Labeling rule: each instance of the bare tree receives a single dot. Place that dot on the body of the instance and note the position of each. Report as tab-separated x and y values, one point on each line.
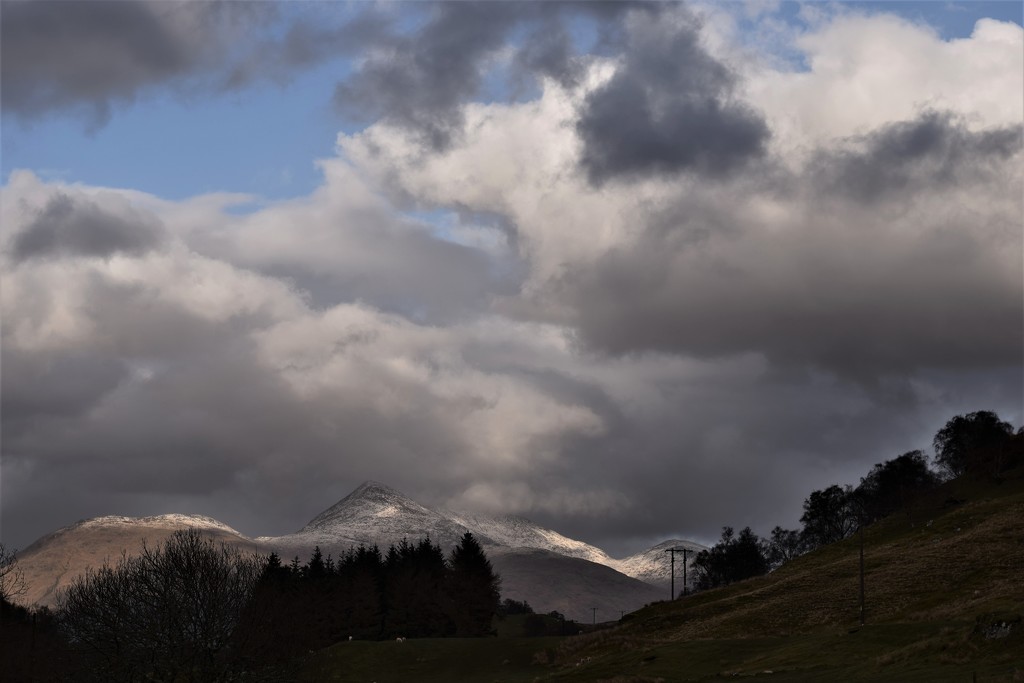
168	614
12	578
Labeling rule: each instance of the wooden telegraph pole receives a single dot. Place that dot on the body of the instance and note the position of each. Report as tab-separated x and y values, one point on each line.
673	551
860	533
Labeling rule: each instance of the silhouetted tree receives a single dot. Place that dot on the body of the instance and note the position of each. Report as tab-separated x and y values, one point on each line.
894	483
12	578
168	614
785	545
976	442
415	595
32	647
316	569
361	573
475	589
733	558
510	606
828	516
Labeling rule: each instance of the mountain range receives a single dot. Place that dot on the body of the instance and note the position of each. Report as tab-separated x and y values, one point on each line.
549	570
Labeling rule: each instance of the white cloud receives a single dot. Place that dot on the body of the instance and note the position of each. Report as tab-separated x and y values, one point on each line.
866	71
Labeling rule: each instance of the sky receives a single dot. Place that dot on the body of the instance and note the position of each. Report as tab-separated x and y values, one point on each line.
632	270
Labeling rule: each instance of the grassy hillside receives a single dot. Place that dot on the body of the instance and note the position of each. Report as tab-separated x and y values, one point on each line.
941	578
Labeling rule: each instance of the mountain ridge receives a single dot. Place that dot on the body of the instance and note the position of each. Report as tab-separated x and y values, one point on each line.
539	565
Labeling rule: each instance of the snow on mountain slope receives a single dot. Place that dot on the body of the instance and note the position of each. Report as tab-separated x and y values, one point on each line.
517	532
378	514
550	570
654	565
57	559
170	521
371	514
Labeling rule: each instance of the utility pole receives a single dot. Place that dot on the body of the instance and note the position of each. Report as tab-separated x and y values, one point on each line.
673	570
861	534
685	550
595	615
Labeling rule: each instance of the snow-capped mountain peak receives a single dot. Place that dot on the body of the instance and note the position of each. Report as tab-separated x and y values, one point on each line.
655	564
168	521
370	505
550	570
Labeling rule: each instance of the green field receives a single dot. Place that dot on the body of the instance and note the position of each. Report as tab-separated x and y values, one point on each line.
940	578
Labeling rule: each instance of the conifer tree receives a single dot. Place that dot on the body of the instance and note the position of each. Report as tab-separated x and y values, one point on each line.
474	588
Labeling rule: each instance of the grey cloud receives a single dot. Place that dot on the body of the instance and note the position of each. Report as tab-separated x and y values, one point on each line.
317	34
168	403
549	51
89	55
53	384
420	80
746	367
407	271
741	448
857	321
374	256
69	226
667	109
847	286
935	150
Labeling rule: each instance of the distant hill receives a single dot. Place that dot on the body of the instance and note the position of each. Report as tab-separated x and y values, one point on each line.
55	560
541	566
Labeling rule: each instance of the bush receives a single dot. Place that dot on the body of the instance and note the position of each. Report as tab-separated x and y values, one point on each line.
167	615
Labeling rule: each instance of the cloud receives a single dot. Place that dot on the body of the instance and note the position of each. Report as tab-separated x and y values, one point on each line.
66	227
479	323
419	79
181	374
764	331
119	49
936	150
865	72
668	108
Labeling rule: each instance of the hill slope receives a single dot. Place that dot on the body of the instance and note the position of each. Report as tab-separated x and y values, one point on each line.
944	599
55	560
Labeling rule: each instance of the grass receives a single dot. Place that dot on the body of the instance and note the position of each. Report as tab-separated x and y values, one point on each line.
937	575
429	660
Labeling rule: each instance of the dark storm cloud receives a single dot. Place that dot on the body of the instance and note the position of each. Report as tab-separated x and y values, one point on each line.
707	280
860	323
318	33
667	109
46	383
91	54
747	447
79	227
935	150
419	80
549	51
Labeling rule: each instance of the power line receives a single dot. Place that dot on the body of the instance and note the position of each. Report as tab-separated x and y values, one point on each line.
673	570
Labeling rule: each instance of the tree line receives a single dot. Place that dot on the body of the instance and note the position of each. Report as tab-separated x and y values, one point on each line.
411	591
975	444
192	610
